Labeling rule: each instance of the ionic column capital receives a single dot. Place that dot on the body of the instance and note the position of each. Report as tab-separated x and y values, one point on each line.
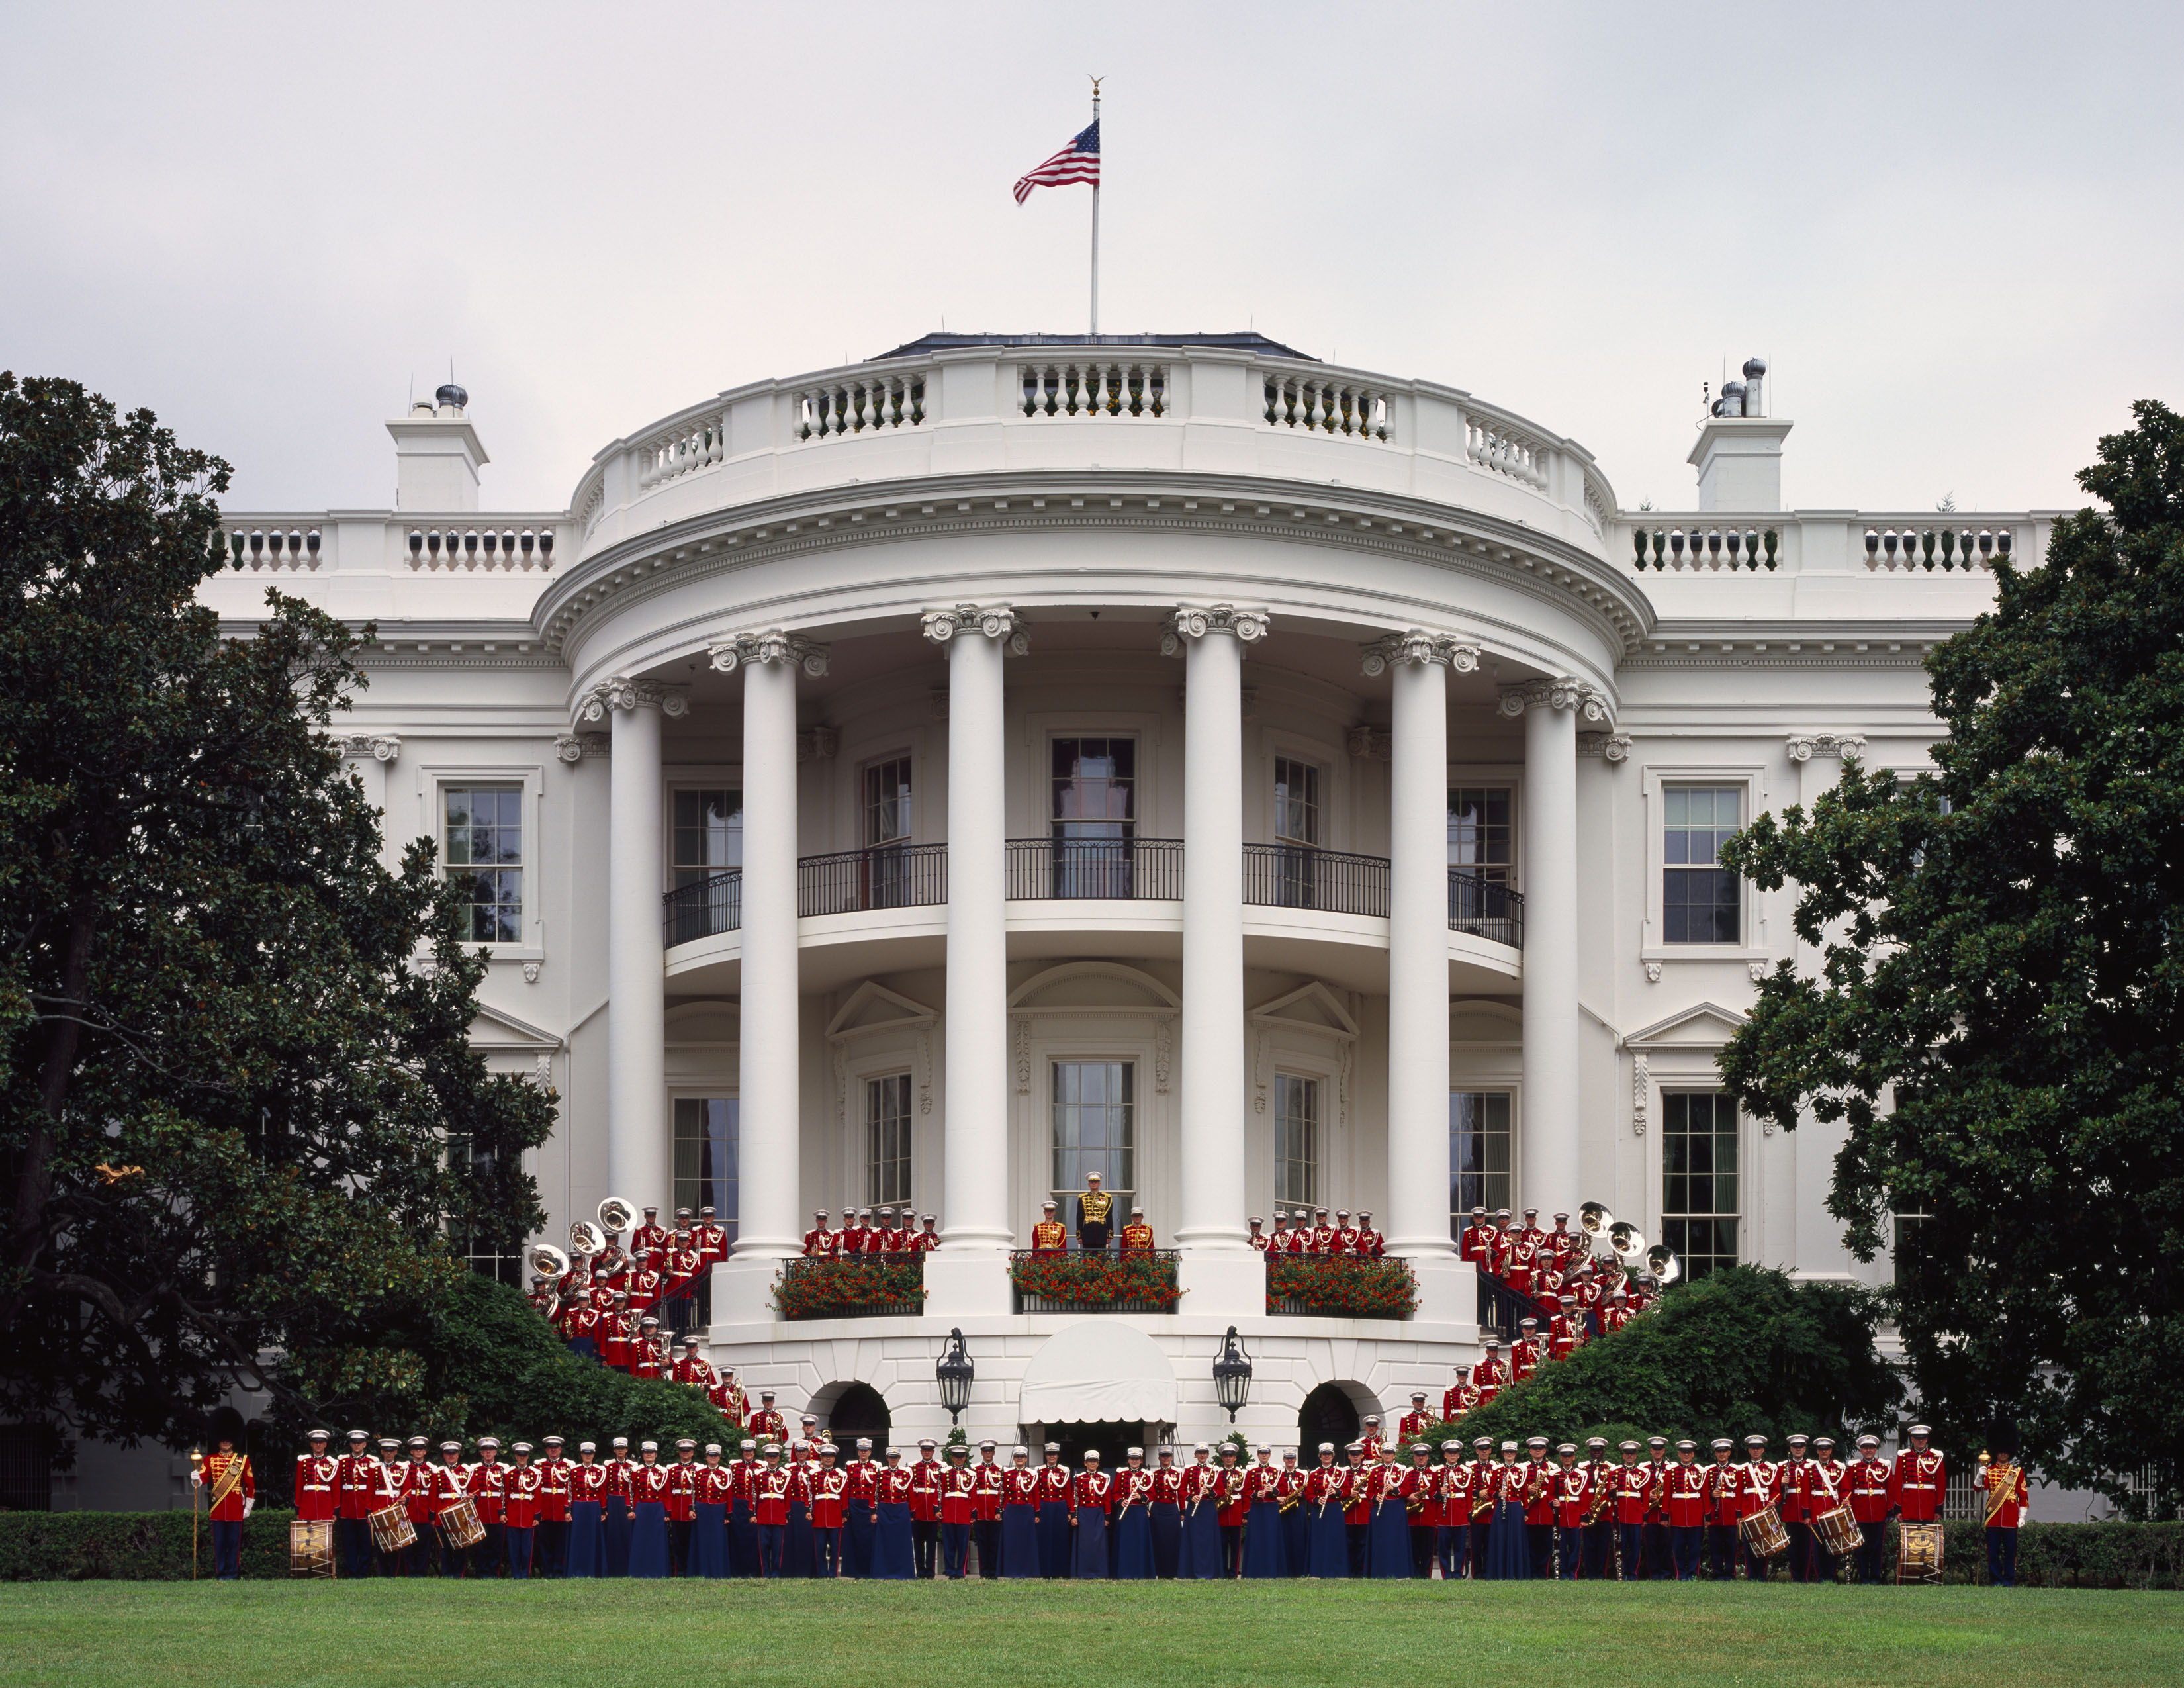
1804	746
1615	747
1590	702
378	747
770	646
996	620
622	692
1418	647
574	747
1194	621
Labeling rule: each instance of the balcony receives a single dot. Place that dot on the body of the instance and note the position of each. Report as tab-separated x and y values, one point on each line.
1099	1281
706	909
1068	870
883	877
1485	908
1300	876
854	1286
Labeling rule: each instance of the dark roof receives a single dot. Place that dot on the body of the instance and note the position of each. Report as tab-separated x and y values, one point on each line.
1246	341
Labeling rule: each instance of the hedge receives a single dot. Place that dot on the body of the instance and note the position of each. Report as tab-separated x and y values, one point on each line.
155	1547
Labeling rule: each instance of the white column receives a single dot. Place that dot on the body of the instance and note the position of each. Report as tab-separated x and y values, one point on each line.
638	1168
968	1275
769	1112
1212	1204
1548	1170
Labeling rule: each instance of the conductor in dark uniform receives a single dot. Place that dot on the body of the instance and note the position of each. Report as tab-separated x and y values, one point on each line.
1095	1216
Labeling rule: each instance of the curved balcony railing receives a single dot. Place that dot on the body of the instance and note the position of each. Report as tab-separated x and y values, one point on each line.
712	905
884	876
1485	908
1300	876
1126	870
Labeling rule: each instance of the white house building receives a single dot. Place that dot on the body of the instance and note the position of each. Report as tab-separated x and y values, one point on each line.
1267	783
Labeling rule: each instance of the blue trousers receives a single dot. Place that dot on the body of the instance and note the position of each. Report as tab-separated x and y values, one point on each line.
2001	1557
1721	1550
355	1537
1453	1549
1569	1548
519	1553
772	1538
1633	1536
1659	1556
227	1551
829	1542
955	1547
1684	1544
1599	1544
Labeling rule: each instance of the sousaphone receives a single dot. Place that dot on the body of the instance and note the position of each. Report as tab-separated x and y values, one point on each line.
548	1261
585	1240
1660	1261
616	1214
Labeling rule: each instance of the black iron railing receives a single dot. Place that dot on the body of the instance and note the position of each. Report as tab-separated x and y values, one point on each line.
1501	1308
852	1286
1298	877
1129	870
1485	908
883	877
712	905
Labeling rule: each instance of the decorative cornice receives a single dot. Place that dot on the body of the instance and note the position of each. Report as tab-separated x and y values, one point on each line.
772	645
622	693
1371	744
1195	622
1804	746
574	747
1615	747
996	620
1565	693
1417	646
817	744
379	747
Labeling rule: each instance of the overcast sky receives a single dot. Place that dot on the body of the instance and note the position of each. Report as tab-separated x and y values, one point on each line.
1953	229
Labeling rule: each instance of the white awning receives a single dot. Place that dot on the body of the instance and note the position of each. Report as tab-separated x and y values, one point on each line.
1099	1371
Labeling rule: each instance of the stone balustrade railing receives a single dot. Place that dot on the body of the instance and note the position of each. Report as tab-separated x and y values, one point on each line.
1825	542
393	542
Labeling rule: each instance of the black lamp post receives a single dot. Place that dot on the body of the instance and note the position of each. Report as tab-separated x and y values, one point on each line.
954	1372
1232	1374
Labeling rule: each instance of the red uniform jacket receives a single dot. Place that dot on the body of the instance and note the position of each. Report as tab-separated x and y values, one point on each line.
829	1497
1827	1486
1570	1494
1019	1488
1328	1485
1231	1484
649	1484
1524	1358
864	1488
958	1495
1411	1426
1756	1486
894	1486
1420	1487
1458	1400
821	1244
1917	1485
229	1509
1134	1487
359	1486
2006	1493
682	1491
411	1484
553	1489
451	1483
925	1491
1724	1488
770	1491
1168	1486
1684	1487
712	1242
1867	1489
1455	1485
520	1496
1632	1485
1538	1491
587	1483
1053	1485
1091	1491
716	1485
489	1484
986	1492
1793	1479
315	1479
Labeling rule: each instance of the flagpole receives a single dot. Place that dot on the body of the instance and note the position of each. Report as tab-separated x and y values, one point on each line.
1095	214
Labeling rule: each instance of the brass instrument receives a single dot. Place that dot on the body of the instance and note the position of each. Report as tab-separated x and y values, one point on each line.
1660	1261
584	1240
616	1214
1629	1243
1595	1221
548	1261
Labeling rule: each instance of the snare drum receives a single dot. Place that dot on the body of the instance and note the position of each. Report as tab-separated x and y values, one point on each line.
1919	1553
1763	1533
391	1531
460	1525
311	1547
1838	1531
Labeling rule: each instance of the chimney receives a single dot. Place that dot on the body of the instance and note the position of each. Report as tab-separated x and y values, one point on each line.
1739	453
437	456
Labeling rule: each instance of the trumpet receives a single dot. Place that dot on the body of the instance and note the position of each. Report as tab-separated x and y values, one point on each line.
548	1261
616	1214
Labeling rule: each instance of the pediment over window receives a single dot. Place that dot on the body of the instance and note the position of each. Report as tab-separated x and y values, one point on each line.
495	1032
873	1008
1093	985
1313	1007
1705	1025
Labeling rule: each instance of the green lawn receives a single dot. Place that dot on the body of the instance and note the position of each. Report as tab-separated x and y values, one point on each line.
962	1635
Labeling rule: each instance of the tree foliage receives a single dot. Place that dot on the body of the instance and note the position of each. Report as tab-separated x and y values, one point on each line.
1997	1011
234	1043
1740	1352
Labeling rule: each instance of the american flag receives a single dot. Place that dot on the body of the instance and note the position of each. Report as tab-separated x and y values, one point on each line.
1078	161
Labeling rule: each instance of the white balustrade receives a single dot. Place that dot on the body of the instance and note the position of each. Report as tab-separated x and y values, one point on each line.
268	547
1093	389
1494	445
864	405
1711	546
689	445
473	548
1907	548
1764	545
1326	406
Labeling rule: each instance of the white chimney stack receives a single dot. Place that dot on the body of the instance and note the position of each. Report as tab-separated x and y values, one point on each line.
1739	453
437	456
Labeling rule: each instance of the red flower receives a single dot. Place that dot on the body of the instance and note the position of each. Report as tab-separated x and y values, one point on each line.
828	1288
1342	1286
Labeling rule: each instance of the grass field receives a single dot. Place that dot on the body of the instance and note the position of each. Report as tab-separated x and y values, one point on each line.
568	1635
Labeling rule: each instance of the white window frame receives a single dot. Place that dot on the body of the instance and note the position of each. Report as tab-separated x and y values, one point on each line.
434	781
1303	1073
1334	787
907	1073
1751	1203
1751	923
1509	774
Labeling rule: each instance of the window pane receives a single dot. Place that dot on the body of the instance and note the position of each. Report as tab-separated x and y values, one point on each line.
1478	1154
483	844
708	834
1095	788
1700	903
1297	1139
706	1132
886	802
1094	1125
887	1134
1699	1193
1296	801
1479	832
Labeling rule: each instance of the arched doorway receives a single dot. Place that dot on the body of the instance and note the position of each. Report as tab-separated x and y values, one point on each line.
1328	1416
859	1410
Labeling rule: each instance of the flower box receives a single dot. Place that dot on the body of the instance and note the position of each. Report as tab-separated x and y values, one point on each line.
1101	1283
871	1286
1339	1286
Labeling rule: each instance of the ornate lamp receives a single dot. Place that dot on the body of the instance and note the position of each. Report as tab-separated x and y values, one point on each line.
1232	1374
955	1372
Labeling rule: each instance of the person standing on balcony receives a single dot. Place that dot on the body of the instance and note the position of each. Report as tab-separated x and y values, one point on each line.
712	1238
819	1242
926	1239
1095	1214
1258	1239
1371	1245
1137	1235
1050	1236
1323	1238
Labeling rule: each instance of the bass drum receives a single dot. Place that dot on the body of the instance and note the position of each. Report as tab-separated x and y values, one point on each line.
391	1530
311	1547
1919	1553
1763	1533
1838	1531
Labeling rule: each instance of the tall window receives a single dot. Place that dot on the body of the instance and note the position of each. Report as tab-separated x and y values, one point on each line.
483	1251
708	834
1094	815
1479	832
1699	1181
1095	1127
1699	899
1297	802
886	802
706	1136
1910	1254
485	857
1296	1140
887	1140
1478	1154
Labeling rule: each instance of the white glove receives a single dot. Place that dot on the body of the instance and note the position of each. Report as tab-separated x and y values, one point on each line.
197	1479
247	1505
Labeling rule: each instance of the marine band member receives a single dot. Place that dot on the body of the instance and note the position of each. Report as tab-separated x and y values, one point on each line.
1095	1213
